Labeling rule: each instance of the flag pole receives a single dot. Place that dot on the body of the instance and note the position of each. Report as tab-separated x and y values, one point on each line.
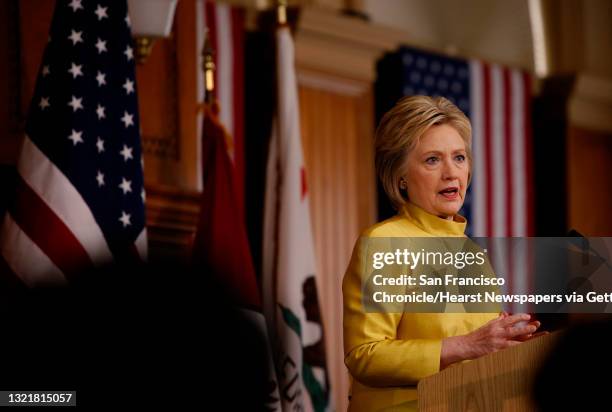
208	66
281	9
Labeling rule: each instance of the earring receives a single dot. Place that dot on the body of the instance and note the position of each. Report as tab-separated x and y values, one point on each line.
403	184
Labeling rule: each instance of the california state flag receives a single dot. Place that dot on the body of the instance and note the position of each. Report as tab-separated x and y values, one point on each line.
290	295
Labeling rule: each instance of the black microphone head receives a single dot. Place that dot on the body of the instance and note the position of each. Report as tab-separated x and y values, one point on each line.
574	233
577	239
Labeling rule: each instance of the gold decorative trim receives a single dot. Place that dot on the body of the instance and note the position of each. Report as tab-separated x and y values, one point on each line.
164	147
144	46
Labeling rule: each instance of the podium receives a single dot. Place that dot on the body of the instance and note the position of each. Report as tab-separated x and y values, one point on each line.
498	382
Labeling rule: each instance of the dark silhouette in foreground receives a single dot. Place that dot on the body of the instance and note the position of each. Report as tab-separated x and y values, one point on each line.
575	375
149	335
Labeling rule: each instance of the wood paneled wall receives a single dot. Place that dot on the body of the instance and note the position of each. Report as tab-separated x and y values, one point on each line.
167	97
337	138
589	181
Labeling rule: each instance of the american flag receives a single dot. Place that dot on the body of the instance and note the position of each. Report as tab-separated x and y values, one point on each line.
80	191
499	202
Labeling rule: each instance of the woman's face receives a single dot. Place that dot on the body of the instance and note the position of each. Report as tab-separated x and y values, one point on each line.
437	173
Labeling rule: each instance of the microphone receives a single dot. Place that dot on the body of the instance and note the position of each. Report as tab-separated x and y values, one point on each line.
577	239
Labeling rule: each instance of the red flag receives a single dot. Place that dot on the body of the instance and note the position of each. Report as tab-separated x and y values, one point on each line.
221	243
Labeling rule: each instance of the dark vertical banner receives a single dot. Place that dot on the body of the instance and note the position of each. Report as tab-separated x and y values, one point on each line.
259	110
550	128
388	90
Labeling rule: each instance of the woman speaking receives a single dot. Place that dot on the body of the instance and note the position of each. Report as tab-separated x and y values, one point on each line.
423	159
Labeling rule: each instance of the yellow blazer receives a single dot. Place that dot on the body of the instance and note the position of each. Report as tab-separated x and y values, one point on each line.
388	353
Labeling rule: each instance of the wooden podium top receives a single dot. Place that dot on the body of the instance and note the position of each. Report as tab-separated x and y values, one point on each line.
500	381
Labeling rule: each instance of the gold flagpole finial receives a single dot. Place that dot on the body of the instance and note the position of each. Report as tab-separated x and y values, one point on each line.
209	69
282	11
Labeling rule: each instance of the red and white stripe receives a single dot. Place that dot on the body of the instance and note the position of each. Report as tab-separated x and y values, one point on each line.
225	25
502	167
502	172
24	257
50	234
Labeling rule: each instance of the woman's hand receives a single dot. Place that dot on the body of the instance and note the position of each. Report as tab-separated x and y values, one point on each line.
530	335
500	333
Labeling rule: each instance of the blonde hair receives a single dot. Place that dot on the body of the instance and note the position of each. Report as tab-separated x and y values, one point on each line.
400	130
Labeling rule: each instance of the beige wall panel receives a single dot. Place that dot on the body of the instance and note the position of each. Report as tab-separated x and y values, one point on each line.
497	31
336	135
